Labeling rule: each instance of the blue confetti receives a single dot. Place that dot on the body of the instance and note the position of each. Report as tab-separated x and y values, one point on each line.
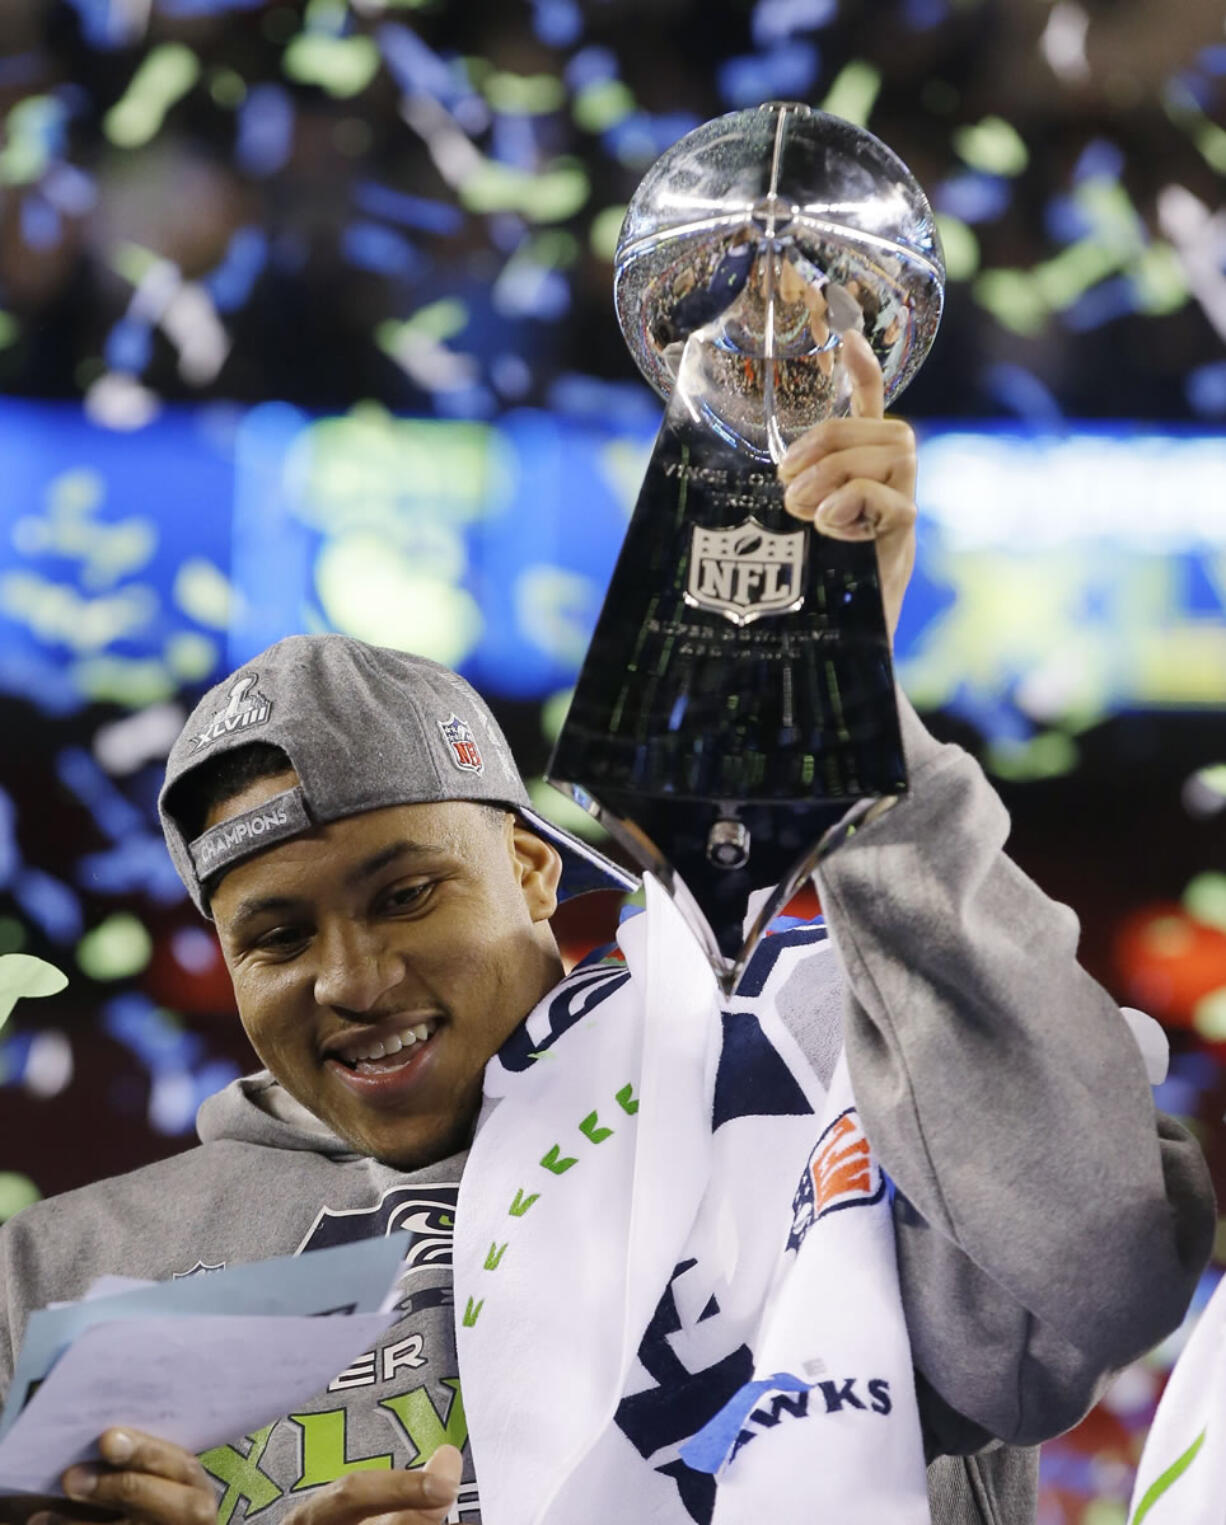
1206	389
50	905
139	865
558	23
129	346
70	190
923	15
230	284
1065	220
409	211
591	66
40	223
265	130
150	1033
617	404
641	138
1213	59
79	773
528	290
514	141
371	246
206	7
417	68
1100	159
10	857
20	69
1101	304
779	20
46	684
102	25
786	72
1024	394
973	196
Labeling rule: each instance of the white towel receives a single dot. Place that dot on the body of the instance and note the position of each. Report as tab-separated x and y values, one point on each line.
634	1235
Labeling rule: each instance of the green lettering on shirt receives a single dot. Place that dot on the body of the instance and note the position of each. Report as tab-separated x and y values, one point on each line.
244	1482
324	1450
420	1421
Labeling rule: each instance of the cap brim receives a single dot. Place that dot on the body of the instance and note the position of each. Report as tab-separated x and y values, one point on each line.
584	868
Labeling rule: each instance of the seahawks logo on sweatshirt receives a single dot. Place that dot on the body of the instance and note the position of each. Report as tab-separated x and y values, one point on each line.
427	1212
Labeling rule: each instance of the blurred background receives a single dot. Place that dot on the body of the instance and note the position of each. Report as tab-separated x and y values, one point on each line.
306	324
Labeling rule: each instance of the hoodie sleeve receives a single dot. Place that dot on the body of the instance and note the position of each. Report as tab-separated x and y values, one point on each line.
1050	1225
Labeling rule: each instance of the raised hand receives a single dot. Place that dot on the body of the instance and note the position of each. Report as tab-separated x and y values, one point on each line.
854	478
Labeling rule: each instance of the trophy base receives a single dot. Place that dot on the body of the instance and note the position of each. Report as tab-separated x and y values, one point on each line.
725	852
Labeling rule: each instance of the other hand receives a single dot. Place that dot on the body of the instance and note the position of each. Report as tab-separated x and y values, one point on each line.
400	1498
854	478
142	1479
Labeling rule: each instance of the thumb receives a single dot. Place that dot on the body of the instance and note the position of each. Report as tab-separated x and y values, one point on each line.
447	1463
864	374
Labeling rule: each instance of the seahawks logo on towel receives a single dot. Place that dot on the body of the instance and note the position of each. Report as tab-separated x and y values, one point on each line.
841	1173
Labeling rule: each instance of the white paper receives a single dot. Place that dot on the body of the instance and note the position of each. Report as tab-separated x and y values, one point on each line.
194	1379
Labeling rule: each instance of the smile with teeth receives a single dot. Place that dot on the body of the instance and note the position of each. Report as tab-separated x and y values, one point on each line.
390	1045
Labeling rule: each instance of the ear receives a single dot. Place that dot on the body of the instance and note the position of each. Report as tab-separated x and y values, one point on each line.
539	866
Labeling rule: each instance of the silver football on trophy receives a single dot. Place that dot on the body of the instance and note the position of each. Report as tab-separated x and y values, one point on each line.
762	237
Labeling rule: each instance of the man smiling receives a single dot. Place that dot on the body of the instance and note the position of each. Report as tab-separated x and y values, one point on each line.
619	1189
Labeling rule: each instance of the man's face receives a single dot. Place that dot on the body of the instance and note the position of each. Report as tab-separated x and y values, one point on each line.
363	931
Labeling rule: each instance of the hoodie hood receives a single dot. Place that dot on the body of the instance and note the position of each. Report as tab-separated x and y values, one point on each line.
257	1109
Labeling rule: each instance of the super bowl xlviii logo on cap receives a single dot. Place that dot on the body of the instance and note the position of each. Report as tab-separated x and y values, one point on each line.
462	744
245	707
747	571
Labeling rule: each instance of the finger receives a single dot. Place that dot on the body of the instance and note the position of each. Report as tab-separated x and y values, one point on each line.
834	434
891	464
362	1494
144	1476
864	374
447	1463
864	510
141	1496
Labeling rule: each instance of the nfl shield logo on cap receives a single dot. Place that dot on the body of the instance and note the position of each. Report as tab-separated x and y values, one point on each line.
462	743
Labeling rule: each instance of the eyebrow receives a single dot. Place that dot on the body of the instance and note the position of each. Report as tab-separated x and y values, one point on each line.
248	910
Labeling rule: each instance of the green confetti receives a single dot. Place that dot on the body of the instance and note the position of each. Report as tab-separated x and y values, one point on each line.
602	105
523	94
24	977
133	682
562	811
1159	280
1205	900
552	195
116	949
606	230
10	330
960	245
993	146
16	1192
1014	300
439	321
369	590
56	612
1209	1016
853	94
165	75
553	714
342	66
204	593
26	155
228	88
1049	755
191	657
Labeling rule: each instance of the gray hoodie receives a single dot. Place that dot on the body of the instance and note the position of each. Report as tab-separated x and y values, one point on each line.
1050	1227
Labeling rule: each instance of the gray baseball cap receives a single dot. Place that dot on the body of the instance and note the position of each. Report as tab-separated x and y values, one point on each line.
364	727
